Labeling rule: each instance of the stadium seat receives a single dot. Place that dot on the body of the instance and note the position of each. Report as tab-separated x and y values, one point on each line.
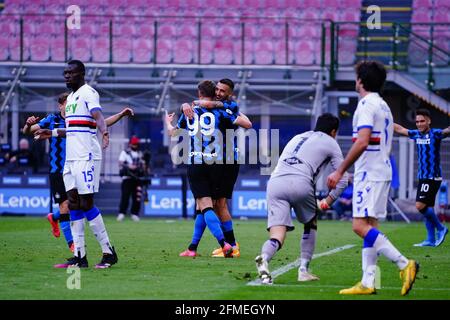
421	15
229	31
331	4
188	30
122	47
441	16
4	44
304	53
207	51
264	52
183	51
350	16
330	14
142	50
347	4
207	31
146	29
57	49
80	48
166	31
425	4
251	31
39	49
442	4
310	14
347	50
224	52
164	51
100	52
280	52
307	4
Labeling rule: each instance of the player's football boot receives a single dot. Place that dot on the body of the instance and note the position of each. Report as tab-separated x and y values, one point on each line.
218	253
227	250
73	262
441	236
408	276
306	276
425	243
188	253
263	270
54	224
358	289
108	260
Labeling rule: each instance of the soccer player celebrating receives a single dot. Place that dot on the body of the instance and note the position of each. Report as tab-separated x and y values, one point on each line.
82	167
57	156
372	137
292	185
204	172
224	93
428	141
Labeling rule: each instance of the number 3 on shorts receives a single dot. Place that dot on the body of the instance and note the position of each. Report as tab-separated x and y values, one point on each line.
360	198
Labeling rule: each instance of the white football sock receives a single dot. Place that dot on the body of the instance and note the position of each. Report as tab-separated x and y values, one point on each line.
386	248
77	228
369	265
99	230
307	246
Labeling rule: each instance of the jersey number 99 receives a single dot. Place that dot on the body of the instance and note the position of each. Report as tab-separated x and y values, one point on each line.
206	127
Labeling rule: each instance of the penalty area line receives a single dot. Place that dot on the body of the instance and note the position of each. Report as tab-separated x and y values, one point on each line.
278	272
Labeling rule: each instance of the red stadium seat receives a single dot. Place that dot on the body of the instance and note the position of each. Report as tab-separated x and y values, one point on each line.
100	50
80	48
331	4
350	16
347	4
183	51
208	31
57	49
164	51
224	52
40	49
310	4
304	53
4	44
264	52
142	50
442	4
441	16
188	30
146	30
422	4
166	31
207	51
422	15
122	48
280	52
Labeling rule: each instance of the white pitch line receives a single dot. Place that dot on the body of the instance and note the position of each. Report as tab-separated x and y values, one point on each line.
278	272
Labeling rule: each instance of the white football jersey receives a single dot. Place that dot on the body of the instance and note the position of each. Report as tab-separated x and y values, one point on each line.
374	164
81	128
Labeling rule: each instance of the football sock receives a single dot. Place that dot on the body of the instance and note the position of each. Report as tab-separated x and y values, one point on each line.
213	223
64	222
56	215
227	227
429	225
269	248
199	228
431	215
369	258
98	228
77	228
307	246
383	246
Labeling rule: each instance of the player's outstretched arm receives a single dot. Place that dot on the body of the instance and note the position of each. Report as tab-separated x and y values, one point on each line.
243	121
42	134
101	126
355	152
446	132
31	125
400	130
126	112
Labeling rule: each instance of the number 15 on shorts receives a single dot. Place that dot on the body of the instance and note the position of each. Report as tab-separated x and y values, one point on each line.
88	175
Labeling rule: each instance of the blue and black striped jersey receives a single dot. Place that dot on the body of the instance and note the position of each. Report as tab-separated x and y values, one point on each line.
428	150
57	152
203	130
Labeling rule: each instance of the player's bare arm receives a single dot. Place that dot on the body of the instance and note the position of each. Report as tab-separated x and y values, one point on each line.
101	126
42	134
355	152
170	128
188	110
126	112
209	104
243	122
400	130
31	125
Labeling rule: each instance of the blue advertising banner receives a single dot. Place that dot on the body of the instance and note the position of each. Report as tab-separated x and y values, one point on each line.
167	203
249	204
24	200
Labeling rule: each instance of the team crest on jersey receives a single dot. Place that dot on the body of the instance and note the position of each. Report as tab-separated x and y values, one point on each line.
229	111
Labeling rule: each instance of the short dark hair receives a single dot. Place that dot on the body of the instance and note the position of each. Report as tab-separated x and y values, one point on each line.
62	97
372	75
79	64
207	88
228	82
326	123
423	112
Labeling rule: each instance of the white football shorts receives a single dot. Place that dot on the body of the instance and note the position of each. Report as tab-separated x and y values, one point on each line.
83	175
370	199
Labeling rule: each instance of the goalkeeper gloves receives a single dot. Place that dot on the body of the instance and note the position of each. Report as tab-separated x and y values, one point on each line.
323	205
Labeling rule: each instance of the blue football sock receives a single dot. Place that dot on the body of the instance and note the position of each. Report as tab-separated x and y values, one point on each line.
65	227
56	215
434	218
227	228
370	238
430	230
213	223
199	228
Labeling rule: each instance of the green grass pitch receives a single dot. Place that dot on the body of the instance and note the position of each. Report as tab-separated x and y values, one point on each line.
149	266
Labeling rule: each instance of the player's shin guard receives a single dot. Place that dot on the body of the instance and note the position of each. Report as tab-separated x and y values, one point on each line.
199	228
213	223
98	228
307	246
77	228
383	246
269	248
64	222
227	227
